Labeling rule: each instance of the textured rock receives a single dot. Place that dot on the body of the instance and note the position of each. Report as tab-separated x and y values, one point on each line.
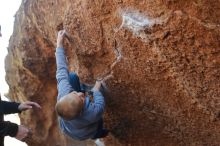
164	56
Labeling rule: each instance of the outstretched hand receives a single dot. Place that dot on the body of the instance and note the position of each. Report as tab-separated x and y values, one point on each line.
101	82
28	105
97	85
60	38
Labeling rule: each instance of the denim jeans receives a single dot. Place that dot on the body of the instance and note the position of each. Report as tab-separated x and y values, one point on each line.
101	132
74	81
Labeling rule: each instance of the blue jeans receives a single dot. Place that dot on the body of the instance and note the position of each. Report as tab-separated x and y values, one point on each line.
101	132
74	82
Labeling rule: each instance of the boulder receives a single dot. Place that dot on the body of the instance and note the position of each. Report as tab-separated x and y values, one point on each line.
162	58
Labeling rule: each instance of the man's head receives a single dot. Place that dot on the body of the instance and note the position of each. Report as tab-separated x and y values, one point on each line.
70	106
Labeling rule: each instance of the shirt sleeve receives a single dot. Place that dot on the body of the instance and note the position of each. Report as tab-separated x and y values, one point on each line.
9	107
62	74
8	129
98	106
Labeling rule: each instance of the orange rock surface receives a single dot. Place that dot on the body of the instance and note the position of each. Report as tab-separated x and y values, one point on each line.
164	56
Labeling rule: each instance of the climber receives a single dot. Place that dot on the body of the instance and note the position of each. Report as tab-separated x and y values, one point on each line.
7	128
80	118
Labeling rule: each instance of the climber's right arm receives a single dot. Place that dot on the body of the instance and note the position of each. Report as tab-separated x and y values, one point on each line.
62	73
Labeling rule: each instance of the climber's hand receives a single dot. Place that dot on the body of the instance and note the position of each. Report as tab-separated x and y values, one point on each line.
98	85
60	38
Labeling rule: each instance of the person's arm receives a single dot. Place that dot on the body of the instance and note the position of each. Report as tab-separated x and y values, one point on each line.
62	73
8	129
14	107
19	132
99	103
9	107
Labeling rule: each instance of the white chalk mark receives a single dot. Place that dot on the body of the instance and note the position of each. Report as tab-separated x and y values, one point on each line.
137	22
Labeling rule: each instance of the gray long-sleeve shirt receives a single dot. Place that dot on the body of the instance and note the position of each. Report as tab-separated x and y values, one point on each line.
85	125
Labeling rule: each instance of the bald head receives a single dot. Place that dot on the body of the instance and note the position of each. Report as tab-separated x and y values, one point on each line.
70	106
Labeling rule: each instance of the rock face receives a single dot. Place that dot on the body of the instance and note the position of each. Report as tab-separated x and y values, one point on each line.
164	56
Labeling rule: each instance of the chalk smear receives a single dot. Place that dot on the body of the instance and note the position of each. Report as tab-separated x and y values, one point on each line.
137	22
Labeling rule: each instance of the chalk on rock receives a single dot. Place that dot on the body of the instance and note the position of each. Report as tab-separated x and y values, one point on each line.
135	21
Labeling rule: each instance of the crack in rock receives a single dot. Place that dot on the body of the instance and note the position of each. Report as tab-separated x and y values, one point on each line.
110	73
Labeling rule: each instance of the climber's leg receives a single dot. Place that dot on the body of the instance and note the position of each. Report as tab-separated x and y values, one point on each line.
101	132
74	81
